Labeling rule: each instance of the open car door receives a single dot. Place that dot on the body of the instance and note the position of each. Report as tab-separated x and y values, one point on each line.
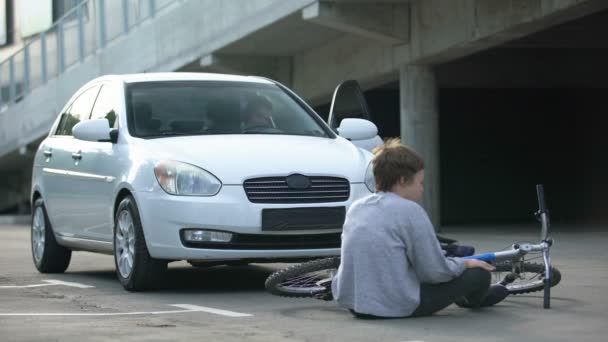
349	116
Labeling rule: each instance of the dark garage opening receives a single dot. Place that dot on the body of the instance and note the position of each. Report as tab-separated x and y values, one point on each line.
530	111
496	144
533	110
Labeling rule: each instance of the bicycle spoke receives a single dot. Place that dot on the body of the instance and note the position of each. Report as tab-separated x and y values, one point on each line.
308	281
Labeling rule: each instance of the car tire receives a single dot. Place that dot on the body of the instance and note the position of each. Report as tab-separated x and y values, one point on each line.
135	268
48	255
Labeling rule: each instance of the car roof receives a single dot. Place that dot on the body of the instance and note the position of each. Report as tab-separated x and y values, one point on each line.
181	76
171	76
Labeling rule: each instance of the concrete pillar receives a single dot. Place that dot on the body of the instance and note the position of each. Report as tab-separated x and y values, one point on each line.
420	128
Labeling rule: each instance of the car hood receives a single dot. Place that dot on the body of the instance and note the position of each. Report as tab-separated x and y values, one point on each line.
235	158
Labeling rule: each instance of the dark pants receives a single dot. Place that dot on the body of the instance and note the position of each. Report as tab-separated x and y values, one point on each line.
472	284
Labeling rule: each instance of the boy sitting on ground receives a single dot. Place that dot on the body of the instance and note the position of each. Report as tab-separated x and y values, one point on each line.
391	262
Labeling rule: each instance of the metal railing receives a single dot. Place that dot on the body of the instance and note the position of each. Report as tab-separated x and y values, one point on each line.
82	32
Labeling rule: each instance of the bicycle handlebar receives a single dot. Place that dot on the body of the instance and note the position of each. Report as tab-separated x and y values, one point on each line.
540	193
543	213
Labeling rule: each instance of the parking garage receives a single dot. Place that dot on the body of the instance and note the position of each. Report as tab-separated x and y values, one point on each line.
497	96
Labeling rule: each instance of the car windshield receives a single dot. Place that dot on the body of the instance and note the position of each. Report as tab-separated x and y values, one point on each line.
172	108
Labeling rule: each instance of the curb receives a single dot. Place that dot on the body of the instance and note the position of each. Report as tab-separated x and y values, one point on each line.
14	219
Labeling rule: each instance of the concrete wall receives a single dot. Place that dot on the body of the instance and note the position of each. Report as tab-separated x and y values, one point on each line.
165	43
440	31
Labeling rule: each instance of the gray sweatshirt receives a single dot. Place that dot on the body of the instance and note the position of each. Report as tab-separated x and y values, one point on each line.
388	249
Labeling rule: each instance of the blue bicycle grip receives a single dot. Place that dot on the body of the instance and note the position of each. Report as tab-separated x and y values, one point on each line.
484	257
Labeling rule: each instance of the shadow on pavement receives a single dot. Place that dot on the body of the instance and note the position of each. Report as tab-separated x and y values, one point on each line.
213	279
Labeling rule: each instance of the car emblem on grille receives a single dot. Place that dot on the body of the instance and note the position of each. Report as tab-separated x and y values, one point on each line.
298	182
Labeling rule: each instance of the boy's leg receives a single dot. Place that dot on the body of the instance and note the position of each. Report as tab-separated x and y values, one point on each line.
473	284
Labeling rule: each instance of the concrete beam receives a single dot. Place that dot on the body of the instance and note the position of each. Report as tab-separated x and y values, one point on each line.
277	68
317	72
446	30
215	63
388	23
442	31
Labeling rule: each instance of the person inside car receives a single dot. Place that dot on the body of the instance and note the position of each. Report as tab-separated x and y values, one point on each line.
258	113
391	261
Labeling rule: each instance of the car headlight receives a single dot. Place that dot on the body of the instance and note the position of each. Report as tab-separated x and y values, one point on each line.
370	181
183	179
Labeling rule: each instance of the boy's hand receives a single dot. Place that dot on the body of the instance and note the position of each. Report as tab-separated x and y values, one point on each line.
474	263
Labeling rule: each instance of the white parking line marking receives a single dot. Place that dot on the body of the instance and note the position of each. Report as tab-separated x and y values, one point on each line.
50	282
212	310
67	283
23	286
189	308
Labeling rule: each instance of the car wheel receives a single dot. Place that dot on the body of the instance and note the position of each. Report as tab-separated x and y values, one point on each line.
135	268
48	255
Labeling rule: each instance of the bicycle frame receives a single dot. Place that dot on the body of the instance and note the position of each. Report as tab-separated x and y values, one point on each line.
518	251
514	254
312	278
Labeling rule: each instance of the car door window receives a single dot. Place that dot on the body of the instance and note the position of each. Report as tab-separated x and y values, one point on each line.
61	124
79	111
348	102
105	106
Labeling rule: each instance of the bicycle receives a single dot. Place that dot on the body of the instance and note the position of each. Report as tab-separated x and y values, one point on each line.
313	278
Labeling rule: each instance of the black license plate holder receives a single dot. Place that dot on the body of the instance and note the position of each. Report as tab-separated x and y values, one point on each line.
313	218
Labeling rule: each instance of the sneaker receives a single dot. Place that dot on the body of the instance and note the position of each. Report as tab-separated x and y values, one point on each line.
496	294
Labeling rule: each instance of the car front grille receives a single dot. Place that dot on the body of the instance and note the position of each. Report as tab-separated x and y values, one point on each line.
275	190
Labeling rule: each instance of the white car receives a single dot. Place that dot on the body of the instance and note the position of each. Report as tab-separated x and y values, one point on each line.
153	168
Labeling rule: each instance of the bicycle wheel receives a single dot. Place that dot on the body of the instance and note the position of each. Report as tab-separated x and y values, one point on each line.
307	279
531	277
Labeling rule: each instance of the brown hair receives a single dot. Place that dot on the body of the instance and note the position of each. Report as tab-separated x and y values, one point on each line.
392	160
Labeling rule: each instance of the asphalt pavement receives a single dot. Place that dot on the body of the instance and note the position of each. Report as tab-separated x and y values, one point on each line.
229	303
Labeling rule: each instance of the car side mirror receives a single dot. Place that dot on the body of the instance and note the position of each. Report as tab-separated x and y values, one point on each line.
94	130
362	133
357	129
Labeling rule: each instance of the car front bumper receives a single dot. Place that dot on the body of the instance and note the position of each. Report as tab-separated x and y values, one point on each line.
164	216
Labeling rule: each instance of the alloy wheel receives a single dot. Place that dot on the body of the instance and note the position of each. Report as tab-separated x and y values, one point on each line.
125	243
38	234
